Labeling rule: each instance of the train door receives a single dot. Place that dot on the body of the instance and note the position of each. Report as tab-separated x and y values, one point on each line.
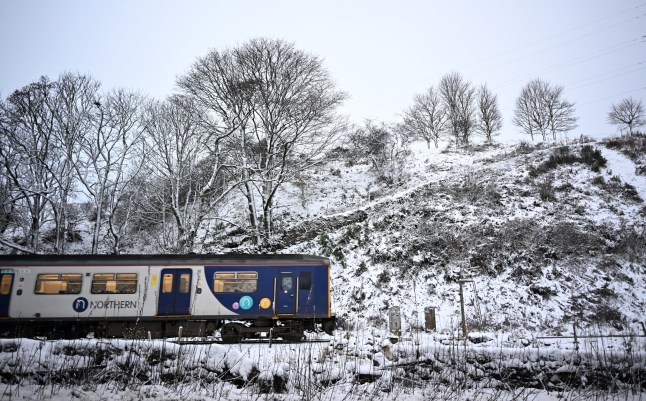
286	292
175	292
6	282
305	294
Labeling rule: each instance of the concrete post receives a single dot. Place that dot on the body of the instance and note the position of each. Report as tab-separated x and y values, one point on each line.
429	318
395	320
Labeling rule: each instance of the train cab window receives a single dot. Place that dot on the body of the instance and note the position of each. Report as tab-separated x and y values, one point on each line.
235	282
184	283
305	281
114	283
5	284
69	283
286	281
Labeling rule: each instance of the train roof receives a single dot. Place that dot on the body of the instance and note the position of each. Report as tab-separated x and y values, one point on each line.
164	260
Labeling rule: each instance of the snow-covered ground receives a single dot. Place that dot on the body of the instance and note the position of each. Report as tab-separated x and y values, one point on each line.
623	167
361	365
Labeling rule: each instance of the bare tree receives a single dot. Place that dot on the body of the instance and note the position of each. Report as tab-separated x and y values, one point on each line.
489	116
560	112
71	106
467	114
385	149
530	113
218	83
126	148
426	118
28	155
280	105
540	108
187	169
111	158
7	201
524	113
629	113
43	126
459	100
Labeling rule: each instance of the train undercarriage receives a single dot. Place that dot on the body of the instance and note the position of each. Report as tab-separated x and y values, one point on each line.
230	331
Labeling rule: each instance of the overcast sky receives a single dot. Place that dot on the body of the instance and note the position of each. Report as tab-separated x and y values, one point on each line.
381	53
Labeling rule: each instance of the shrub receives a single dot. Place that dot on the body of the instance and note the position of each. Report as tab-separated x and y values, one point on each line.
385	150
563	156
593	158
566	238
362	268
599	181
632	146
546	190
543	291
474	188
384	277
525	148
565	187
559	156
604	313
631	243
615	186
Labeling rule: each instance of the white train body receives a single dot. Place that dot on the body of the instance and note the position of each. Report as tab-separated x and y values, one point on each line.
105	304
155	293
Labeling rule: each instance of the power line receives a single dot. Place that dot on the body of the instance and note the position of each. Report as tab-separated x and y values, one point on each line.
601	77
574	61
607	78
559	34
606	73
587	57
557	45
615	95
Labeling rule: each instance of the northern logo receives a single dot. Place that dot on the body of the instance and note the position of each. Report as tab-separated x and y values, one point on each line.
80	304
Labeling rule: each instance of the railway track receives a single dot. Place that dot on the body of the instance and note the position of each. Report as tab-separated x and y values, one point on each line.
249	341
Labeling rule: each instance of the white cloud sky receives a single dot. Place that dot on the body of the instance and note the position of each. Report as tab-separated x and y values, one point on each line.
381	52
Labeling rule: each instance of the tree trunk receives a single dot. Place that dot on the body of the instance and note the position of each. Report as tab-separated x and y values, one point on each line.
253	217
97	223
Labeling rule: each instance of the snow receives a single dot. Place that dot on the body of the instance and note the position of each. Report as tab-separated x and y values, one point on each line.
344	368
513	314
432	175
622	166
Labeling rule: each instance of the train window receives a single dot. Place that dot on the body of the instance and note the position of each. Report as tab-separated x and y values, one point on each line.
69	283
114	283
305	281
167	283
5	284
184	283
286	281
235	282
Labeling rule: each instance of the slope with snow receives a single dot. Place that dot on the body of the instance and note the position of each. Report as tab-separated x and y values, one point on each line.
549	248
546	250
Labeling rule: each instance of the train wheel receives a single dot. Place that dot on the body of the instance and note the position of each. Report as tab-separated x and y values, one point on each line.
230	335
294	333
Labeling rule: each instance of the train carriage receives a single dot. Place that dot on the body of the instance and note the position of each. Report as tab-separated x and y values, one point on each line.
153	295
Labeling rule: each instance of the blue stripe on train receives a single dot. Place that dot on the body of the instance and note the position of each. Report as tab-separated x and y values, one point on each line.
312	299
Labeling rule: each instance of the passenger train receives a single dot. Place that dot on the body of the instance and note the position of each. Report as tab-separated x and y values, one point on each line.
244	296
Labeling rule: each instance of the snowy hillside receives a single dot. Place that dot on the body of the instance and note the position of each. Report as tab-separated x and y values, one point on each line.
550	235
